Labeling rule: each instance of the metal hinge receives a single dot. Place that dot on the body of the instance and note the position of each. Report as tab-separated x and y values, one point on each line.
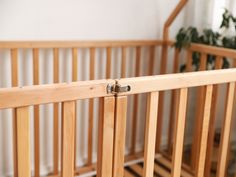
117	88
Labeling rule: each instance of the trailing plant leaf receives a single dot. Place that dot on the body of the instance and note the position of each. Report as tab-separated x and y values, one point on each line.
189	35
185	37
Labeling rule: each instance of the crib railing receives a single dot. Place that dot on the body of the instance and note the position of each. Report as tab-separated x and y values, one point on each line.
92	46
182	82
185	56
152	46
113	119
22	98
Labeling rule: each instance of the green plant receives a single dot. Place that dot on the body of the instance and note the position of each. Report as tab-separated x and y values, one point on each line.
189	35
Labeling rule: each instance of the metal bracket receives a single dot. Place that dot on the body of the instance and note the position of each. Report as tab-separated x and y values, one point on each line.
117	88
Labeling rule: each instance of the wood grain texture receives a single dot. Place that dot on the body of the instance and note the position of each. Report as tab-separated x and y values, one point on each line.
74	79
204	132
179	134
211	134
91	108
150	134
176	81
53	93
108	63
55	114
78	44
14	83
36	116
68	139
119	137
74	64
216	51
135	103
23	142
123	62
225	135
199	116
174	103
33	95
151	60
106	138
163	68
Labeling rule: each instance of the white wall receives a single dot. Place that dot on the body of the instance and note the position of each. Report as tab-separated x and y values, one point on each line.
83	19
74	20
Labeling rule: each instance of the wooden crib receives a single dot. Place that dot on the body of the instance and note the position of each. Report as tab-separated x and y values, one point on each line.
114	96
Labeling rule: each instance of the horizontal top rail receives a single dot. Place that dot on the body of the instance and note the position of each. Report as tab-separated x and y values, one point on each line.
212	50
218	51
52	93
43	94
177	81
78	44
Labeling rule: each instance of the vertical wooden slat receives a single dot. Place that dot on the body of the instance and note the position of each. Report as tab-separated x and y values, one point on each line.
91	108
92	64
225	135
74	64
136	103
119	136
163	68
174	103
74	79
150	134
199	115
123	60
105	138
151	60
55	113
211	133
164	55
204	132
14	82
68	138
23	141
36	116
14	67
108	66
179	134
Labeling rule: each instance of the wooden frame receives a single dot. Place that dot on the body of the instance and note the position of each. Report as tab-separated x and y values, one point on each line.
78	90
219	52
112	158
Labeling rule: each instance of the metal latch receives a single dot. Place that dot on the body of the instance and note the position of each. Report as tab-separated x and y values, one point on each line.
117	88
